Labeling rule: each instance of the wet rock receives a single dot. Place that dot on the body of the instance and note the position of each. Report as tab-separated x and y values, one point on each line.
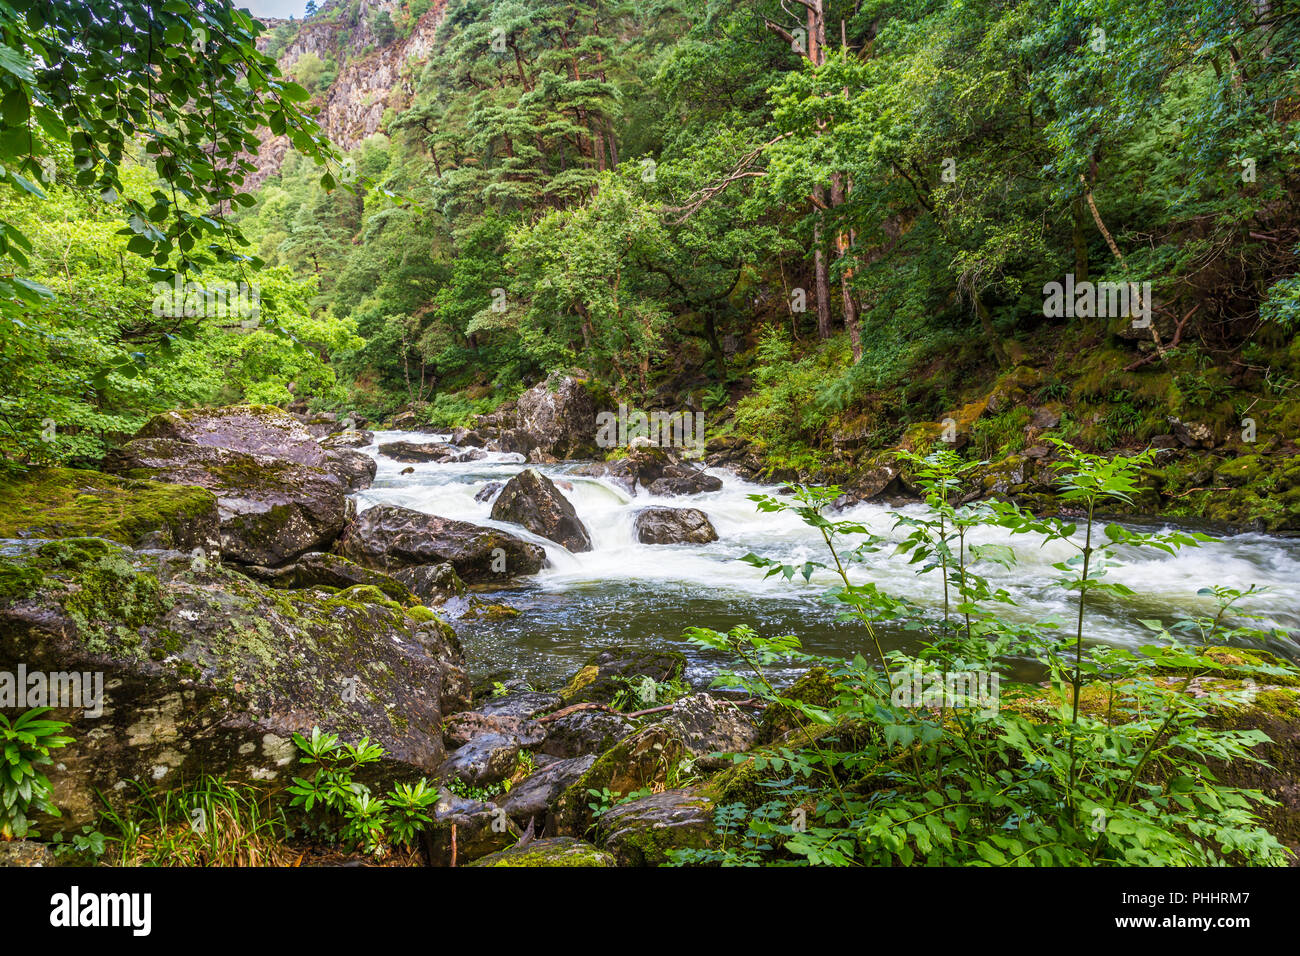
359	438
533	797
208	671
532	500
485	759
388	537
602	676
618	473
26	853
641	832
526	705
432	583
555	851
674	526
489	491
712	725
270	509
585	732
354	469
468	438
408	451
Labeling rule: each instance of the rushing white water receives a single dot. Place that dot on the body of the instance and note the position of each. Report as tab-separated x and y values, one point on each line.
621	588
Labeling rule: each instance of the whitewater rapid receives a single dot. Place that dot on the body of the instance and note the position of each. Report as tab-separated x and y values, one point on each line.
710	579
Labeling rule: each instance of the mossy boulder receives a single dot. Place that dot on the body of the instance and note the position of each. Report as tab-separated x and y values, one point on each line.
271	509
389	537
322	569
642	831
606	673
70	502
555	851
205	670
815	686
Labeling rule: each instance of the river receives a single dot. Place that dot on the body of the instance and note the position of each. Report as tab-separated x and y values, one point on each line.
625	592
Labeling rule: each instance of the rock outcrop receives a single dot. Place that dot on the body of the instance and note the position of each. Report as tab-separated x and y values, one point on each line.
208	671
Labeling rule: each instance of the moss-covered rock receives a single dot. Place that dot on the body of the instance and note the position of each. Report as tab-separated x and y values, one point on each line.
602	677
556	851
208	671
70	502
641	832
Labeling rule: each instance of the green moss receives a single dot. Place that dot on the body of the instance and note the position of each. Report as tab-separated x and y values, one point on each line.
64	502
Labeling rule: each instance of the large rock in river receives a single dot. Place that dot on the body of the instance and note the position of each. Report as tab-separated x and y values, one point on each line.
674	526
532	500
559	418
389	537
208	671
271	509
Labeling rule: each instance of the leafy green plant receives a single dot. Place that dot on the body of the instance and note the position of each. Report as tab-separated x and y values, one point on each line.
28	740
1108	764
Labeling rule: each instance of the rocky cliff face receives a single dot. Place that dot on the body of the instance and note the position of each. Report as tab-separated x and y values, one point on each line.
375	72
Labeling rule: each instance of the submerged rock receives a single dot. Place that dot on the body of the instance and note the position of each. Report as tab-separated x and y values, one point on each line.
389	537
674	526
208	671
532	500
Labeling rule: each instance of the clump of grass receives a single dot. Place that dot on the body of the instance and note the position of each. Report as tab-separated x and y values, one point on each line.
211	822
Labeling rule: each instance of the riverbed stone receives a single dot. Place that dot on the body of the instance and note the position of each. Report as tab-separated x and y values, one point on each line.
526	705
713	728
485	759
390	537
465	726
480	829
532	500
585	732
322	569
407	451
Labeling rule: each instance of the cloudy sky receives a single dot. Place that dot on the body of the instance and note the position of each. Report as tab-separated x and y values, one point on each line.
274	8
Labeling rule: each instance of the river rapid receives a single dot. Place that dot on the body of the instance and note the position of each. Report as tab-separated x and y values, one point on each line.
625	592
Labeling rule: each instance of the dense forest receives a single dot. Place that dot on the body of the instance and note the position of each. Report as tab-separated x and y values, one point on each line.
1022	266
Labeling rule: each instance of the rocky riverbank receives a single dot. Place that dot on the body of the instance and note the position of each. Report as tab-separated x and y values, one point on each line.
219	578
